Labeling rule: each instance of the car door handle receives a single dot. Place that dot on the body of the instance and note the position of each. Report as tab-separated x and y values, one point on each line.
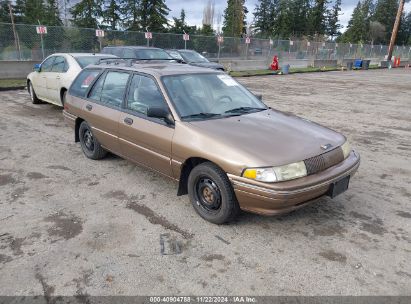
128	121
89	107
57	77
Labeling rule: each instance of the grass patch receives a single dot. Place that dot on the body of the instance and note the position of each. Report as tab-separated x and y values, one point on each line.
253	73
12	83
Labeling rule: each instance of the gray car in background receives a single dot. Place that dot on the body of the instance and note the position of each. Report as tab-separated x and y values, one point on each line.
193	58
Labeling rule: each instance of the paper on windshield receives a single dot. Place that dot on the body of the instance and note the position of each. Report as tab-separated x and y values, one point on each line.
228	81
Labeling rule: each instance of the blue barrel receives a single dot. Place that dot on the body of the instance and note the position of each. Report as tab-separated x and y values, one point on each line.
285	69
358	64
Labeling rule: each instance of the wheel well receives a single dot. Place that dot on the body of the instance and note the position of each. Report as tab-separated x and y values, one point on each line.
186	168
61	94
77	128
28	82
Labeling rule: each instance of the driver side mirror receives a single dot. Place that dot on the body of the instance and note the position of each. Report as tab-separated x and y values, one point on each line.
161	113
37	67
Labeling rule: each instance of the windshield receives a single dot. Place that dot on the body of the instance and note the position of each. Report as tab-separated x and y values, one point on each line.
84	61
206	96
193	56
152	54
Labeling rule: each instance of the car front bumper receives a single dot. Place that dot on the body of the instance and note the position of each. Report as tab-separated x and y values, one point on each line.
283	197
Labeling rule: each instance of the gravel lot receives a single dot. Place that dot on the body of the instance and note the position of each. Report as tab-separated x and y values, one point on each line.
72	226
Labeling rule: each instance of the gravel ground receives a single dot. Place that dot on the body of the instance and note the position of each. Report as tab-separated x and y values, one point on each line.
73	226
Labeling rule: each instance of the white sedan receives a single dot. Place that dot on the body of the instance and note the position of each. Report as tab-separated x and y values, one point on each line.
52	78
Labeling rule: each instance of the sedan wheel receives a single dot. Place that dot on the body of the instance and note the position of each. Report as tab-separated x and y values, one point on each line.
212	194
33	95
89	144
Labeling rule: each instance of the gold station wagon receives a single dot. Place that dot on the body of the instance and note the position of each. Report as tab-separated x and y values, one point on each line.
200	127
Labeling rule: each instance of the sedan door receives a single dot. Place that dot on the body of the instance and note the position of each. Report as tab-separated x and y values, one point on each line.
143	139
103	106
40	78
54	79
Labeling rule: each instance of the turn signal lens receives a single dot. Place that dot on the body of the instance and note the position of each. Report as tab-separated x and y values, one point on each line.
277	174
346	149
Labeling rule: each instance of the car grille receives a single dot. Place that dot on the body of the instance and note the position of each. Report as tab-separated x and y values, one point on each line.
321	162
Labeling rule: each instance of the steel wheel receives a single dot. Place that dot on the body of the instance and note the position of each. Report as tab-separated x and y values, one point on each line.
88	140
208	195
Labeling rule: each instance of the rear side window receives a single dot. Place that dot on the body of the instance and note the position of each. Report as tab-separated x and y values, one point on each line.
47	64
59	65
111	89
83	82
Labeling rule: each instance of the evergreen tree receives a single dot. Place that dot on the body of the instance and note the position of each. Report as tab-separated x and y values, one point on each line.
86	13
264	18
299	13
233	25
385	13
317	18
154	15
4	11
111	14
180	25
333	27
358	26
34	11
282	27
52	13
130	10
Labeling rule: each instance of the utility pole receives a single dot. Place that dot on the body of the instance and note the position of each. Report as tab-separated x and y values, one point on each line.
395	29
16	38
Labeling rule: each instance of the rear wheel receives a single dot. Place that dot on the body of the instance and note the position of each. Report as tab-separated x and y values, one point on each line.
89	144
212	194
33	95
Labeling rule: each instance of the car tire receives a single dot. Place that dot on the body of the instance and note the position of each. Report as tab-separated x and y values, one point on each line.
89	144
63	98
33	95
212	194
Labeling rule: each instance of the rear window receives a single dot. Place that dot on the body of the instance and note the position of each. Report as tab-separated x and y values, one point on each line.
83	82
84	61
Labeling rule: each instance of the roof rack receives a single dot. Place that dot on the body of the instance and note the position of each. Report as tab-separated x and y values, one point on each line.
130	61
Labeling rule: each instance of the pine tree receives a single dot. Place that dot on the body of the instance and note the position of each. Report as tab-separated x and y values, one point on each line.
86	13
358	26
154	15
333	27
52	13
34	12
317	18
180	25
233	25
130	10
299	12
111	14
385	13
4	11
283	26
264	18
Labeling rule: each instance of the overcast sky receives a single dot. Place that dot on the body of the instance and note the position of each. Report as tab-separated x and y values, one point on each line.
194	9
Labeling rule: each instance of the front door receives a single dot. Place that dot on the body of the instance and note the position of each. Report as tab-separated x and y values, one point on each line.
40	79
102	109
143	139
54	79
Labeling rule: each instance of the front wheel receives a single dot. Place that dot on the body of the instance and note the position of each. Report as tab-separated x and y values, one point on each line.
33	95
212	194
89	144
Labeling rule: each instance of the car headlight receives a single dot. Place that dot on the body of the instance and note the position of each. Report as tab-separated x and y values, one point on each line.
276	174
346	149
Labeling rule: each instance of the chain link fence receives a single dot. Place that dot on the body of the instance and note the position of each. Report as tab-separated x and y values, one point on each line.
26	44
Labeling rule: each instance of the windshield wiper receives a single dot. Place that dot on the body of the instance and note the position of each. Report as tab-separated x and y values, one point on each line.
201	115
245	110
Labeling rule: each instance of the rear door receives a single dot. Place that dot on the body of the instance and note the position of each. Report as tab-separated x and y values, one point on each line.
103	107
143	139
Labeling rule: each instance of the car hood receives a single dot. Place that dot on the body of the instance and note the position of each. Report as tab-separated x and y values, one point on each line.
211	65
267	138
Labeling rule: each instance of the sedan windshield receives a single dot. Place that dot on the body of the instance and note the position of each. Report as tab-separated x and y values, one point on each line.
207	96
193	56
84	61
